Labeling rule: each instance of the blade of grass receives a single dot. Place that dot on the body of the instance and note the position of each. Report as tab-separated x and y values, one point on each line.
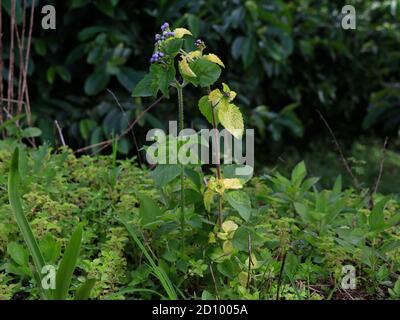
27	234
83	292
158	272
67	265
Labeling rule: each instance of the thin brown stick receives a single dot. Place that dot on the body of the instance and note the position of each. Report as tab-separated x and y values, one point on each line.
250	262
109	142
60	133
21	45
12	101
25	73
10	93
378	179
127	121
345	163
215	283
374	190
1	61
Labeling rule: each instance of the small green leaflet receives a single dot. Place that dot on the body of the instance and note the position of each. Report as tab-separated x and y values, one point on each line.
207	72
240	201
206	110
149	210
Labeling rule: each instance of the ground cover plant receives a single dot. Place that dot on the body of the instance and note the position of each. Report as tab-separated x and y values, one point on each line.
113	228
298	235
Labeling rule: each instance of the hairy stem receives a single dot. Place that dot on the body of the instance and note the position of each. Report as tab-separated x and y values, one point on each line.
218	163
181	124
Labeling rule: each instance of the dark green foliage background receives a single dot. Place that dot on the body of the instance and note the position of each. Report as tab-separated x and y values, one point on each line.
286	59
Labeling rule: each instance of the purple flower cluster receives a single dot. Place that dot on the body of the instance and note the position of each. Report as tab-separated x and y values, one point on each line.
156	57
165	33
165	26
200	44
159	38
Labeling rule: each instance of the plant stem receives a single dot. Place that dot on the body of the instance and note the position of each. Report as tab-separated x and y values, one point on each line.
181	124
218	163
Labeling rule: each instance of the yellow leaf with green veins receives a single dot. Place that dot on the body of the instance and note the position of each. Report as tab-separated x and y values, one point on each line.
231	118
229	226
214	58
185	69
215	96
180	32
232	184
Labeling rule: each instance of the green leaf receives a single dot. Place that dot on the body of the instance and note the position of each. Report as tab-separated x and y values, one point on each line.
240	201
68	264
248	51
337	188
376	218
194	24
147	87
149	210
206	110
31	132
16	205
164	76
229	268
96	82
83	292
195	177
18	253
90	32
173	46
303	211
166	173
231	118
129	77
299	173
207	72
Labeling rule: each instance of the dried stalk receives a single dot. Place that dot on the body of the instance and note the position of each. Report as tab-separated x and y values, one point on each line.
345	163
25	72
1	62
10	93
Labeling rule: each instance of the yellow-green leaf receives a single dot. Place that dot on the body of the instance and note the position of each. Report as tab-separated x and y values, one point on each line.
194	54
229	226
214	58
227	247
185	69
232	94
231	118
208	199
215	96
232	184
181	32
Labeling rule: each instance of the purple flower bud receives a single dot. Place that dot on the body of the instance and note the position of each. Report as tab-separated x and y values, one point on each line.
165	26
160	54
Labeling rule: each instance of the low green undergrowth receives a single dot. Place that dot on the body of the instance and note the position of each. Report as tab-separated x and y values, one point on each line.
291	242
